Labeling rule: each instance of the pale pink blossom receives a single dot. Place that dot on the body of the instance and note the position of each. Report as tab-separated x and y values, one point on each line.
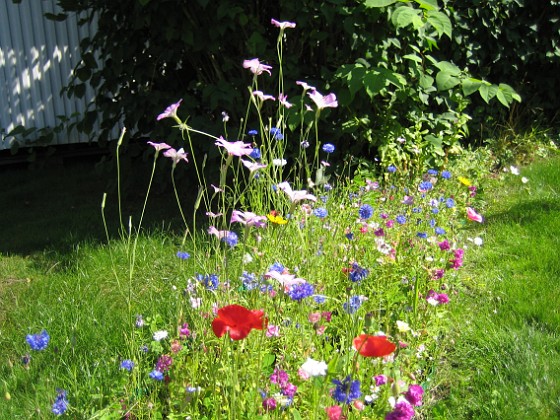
170	111
159	146
326	101
235	148
283	99
176	155
286	280
282	25
256	66
273	331
252	166
248	218
213	215
295	196
262	96
305	86
473	215
220	234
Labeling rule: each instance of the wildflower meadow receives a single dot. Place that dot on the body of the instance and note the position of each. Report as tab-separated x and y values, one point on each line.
309	293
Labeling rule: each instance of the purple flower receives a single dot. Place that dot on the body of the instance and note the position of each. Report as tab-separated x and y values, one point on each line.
226	236
279	377
414	395
256	153
425	186
139	321
256	67
357	273
391	169
164	363
157	375
328	148
247	218
183	255
440	231
38	341
433	172
127	364
401	220
300	291
380	380
320	212
353	304
159	146
445	174
402	411
253	133
269	403
210	281
276	133
346	390
170	111
184	331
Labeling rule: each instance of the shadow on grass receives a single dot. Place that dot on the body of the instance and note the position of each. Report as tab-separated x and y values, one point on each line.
526	212
49	211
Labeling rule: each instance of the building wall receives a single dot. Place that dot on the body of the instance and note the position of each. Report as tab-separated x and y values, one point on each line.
36	61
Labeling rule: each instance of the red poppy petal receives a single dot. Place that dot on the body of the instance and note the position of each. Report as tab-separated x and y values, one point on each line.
219	327
239	333
373	346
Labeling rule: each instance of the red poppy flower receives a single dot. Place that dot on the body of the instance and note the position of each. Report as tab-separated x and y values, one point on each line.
373	345
238	321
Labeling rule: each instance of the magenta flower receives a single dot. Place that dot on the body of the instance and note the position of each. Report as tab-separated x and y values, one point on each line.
256	66
295	196
326	101
159	146
282	25
170	111
473	215
176	155
414	395
247	218
236	148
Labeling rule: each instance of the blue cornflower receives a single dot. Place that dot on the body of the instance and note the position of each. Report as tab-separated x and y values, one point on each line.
327	187
401	220
328	148
353	304
183	255
357	273
324	198
352	196
38	341
432	171
435	210
256	153
319	298
425	186
249	280
417	210
301	291
127	364
391	169
445	174
321	212
60	404
349	236
253	132
157	375
346	390
210	281
365	211
278	267
450	203
231	239
144	349
422	235
432	222
276	133
440	231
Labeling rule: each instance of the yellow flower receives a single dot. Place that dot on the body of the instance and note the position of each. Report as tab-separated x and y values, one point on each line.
464	181
276	218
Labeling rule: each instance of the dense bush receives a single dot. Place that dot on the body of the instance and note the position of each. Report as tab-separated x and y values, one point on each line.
400	68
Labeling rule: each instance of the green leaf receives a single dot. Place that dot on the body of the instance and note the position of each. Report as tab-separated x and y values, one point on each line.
428	4
413	57
440	22
470	85
487	91
379	3
404	16
426	81
509	91
446	81
448	67
374	82
296	414
268	360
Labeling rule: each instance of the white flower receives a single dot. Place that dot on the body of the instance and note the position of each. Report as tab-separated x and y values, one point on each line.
314	367
402	326
524	180
247	258
160	335
279	162
477	241
514	170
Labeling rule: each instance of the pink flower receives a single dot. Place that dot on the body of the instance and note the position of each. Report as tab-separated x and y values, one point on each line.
273	331
283	99
159	146
335	413
285	279
235	148
305	86
176	155
314	317
252	166
414	395
263	97
170	111
256	66
295	196
248	218
282	25
327	101
473	215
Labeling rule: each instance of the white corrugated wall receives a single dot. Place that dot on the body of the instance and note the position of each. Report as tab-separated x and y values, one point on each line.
36	61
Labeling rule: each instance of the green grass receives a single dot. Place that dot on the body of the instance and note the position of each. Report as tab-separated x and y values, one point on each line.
504	362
